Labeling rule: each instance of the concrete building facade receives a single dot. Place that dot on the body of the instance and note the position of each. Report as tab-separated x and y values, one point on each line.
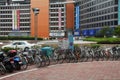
54	19
15	17
61	18
95	15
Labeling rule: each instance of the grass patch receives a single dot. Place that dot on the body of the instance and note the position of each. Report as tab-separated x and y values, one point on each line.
104	40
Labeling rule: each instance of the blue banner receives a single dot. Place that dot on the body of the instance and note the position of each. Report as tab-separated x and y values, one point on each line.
77	21
91	32
85	32
77	17
118	12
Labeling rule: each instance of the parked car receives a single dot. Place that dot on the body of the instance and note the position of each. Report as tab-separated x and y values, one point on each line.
19	44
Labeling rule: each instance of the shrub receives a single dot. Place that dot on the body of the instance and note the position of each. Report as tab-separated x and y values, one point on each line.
76	45
6	49
104	40
95	45
18	38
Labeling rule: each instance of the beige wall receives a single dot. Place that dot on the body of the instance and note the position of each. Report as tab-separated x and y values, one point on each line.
43	17
70	16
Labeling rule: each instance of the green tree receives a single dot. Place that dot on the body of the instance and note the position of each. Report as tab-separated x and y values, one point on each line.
117	31
106	31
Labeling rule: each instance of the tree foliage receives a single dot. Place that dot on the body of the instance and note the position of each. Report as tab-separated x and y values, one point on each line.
117	31
106	31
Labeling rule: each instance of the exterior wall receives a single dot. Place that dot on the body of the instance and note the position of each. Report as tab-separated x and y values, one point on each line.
61	21
70	16
27	17
43	18
96	14
14	18
57	19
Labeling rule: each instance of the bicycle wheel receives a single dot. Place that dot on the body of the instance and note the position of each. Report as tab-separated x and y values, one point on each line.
47	61
30	60
24	64
61	58
72	57
67	58
53	58
38	61
2	70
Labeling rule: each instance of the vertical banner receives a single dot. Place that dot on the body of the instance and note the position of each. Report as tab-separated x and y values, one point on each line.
77	21
15	19
77	17
13	24
118	12
59	17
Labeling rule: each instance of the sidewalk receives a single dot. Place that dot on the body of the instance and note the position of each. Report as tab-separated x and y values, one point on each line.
56	42
101	70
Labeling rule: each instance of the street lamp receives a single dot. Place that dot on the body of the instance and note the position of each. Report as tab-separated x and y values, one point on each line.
36	12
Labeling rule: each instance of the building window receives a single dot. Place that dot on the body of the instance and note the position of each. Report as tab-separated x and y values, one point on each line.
115	15
116	1
115	22
116	8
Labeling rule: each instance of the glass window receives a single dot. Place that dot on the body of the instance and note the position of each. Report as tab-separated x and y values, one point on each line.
115	15
116	8
116	1
115	22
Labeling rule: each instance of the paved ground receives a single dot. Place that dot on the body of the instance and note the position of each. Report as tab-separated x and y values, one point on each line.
56	41
50	42
101	70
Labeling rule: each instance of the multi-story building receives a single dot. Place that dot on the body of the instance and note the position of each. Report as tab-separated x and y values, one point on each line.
54	19
15	17
60	18
57	19
92	15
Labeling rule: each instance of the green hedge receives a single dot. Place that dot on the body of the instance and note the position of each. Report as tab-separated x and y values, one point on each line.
104	40
19	38
95	45
6	49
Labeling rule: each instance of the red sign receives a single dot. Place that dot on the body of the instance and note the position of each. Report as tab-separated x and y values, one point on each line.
18	19
59	18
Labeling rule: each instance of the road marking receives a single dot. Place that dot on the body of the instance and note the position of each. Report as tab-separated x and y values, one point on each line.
18	73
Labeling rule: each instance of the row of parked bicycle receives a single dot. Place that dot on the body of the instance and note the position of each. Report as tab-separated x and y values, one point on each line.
20	60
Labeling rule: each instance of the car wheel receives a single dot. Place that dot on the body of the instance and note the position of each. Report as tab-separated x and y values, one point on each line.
26	49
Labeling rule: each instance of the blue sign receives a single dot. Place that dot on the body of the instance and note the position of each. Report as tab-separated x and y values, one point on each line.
91	32
85	32
77	17
71	44
77	32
